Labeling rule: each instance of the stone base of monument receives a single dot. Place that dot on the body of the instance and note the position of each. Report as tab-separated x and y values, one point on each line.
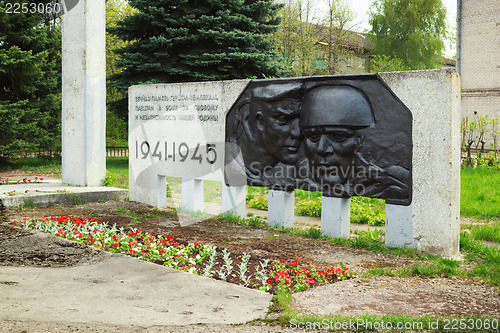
335	216
54	191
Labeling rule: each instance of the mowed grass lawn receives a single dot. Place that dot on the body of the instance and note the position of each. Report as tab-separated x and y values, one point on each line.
480	193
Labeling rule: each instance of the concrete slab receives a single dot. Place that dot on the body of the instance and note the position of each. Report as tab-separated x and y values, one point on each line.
52	191
121	290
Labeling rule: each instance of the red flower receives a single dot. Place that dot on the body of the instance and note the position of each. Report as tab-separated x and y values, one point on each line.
310	280
116	244
170	237
14	222
115	237
269	281
282	261
295	263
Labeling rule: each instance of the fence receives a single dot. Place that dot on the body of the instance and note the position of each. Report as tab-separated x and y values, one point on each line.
116	151
110	152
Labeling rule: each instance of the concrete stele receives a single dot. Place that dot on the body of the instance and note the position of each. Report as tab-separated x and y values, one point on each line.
335	216
434	100
281	208
178	130
84	94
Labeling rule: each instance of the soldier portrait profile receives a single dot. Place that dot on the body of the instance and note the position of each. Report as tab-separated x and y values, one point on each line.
341	135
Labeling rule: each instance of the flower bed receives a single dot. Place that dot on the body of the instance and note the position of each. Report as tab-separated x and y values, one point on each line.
195	258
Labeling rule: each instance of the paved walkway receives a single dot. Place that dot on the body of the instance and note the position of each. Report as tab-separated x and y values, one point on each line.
118	290
121	290
51	191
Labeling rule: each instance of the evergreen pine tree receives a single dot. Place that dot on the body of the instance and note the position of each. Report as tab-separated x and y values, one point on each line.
30	82
197	40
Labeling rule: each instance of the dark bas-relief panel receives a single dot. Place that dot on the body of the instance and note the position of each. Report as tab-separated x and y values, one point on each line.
341	135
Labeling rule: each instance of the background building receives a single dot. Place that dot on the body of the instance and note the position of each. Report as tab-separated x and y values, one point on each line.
479	56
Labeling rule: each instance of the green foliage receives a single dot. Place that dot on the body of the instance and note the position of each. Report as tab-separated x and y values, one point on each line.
297	38
196	40
367	210
475	132
410	30
314	233
116	119
30	82
374	235
232	218
258	201
488	232
486	258
110	179
256	221
45	165
117	172
480	193
309	207
385	63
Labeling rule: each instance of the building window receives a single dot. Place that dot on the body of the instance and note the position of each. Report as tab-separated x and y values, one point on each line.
361	62
349	61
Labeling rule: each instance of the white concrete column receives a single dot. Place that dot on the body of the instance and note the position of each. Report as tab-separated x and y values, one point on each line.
234	200
335	216
161	191
84	94
281	208
398	225
192	194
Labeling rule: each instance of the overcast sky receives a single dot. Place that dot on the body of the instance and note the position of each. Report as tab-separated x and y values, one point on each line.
361	9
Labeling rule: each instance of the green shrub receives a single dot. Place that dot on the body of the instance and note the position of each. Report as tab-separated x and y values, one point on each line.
258	202
367	210
308	208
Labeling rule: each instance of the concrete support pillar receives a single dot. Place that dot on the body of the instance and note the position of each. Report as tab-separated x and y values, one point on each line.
281	208
234	200
160	185
398	225
335	216
192	194
84	94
